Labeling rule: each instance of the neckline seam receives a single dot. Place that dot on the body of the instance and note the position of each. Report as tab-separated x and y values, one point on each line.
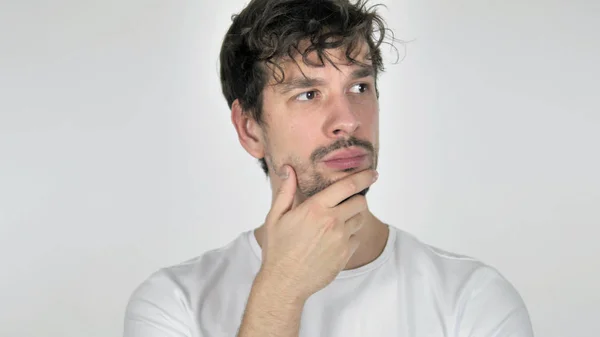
344	274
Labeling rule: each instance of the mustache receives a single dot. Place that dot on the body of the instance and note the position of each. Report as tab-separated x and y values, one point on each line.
321	152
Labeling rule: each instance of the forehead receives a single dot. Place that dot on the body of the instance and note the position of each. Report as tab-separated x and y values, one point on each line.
293	68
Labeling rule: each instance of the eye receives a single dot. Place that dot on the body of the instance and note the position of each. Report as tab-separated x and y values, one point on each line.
307	96
359	88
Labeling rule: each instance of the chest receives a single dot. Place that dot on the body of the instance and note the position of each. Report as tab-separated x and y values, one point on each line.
382	307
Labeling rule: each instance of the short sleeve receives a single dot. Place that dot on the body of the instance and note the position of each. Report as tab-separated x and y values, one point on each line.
157	308
492	307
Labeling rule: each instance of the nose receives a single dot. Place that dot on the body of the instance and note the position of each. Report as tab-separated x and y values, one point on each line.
342	120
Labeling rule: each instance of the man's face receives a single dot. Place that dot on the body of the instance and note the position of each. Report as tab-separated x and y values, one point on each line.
329	112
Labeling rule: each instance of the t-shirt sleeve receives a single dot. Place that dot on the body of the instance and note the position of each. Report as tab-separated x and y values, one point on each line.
493	308
157	308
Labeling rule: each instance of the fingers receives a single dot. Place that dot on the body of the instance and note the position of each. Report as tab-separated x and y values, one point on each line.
344	188
354	224
353	243
351	207
284	198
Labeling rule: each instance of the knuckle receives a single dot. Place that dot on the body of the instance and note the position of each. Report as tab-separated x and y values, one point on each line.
340	234
351	186
329	222
354	226
359	224
346	252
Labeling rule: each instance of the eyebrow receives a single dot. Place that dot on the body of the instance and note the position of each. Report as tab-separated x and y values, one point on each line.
362	72
308	82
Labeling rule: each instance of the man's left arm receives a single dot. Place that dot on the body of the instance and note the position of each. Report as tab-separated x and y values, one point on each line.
492	307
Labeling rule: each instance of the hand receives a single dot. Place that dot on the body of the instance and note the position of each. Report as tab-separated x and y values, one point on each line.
306	246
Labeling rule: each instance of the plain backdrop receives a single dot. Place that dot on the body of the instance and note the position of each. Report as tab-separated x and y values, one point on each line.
117	155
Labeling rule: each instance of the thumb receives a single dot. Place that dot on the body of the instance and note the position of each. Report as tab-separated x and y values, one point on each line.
284	198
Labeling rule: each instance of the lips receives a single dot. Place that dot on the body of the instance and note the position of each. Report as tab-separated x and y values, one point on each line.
345	159
345	154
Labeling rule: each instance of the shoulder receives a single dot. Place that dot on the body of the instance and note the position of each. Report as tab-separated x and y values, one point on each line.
438	263
158	306
483	301
163	303
456	273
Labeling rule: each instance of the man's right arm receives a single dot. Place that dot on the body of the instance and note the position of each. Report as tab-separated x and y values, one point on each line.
271	310
305	248
158	308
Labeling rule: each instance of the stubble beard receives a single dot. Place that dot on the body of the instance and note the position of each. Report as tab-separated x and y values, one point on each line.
310	181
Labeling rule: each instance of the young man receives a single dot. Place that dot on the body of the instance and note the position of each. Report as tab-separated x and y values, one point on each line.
300	79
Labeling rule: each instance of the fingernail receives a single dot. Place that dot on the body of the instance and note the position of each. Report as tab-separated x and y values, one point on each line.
375	176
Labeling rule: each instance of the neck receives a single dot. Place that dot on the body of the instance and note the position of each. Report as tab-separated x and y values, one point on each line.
372	236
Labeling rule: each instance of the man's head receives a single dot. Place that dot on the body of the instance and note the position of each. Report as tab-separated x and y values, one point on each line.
300	79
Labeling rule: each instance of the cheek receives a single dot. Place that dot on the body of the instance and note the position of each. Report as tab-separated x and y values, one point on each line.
289	139
370	118
302	138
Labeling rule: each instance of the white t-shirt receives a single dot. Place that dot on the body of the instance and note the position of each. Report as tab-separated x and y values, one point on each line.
410	290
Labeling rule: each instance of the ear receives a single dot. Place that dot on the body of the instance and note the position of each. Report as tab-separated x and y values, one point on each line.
249	132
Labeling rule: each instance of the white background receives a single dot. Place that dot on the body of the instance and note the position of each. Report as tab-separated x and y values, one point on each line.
118	156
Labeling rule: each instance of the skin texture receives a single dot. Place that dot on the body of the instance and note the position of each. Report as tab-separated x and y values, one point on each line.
319	222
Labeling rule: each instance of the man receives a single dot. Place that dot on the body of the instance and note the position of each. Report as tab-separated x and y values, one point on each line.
300	79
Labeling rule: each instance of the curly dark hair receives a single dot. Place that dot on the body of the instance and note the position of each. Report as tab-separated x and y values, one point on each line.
267	31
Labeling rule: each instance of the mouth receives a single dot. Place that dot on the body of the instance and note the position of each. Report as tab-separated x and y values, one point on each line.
345	159
345	163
